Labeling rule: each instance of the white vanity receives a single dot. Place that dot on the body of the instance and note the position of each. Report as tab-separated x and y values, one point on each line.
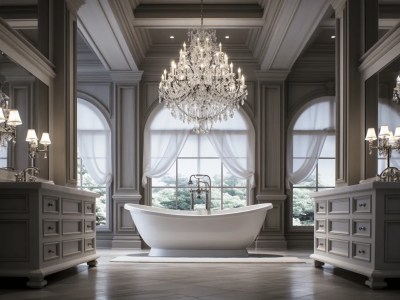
358	228
45	228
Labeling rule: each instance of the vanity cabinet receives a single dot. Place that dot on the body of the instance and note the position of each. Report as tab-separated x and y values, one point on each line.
45	228
358	228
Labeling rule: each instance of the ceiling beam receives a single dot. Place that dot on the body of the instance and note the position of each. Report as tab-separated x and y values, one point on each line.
195	22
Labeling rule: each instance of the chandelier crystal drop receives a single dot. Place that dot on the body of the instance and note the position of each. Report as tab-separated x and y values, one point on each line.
396	91
202	88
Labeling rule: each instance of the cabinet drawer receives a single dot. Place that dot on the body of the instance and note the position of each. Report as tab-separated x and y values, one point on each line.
362	204
71	207
90	208
51	205
71	247
362	251
89	226
320	226
320	207
89	244
339	226
338	247
71	227
51	251
51	228
339	206
362	228
320	244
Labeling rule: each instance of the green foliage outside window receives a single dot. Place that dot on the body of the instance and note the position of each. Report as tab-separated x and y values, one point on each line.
167	195
86	182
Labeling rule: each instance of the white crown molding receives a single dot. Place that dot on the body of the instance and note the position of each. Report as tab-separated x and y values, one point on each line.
21	51
381	54
131	77
338	6
74	5
22	23
271	75
216	23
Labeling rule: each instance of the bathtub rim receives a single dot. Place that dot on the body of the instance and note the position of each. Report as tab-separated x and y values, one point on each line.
146	209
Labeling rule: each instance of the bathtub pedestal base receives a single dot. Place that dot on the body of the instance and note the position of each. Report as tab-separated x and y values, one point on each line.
197	253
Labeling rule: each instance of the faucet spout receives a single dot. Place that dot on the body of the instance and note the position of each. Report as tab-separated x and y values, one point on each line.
202	184
32	171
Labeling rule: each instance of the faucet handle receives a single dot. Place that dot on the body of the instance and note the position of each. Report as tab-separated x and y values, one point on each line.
19	177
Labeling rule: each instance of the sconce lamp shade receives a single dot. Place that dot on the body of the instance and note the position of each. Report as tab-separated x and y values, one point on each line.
371	135
398	79
13	118
384	132
31	136
2	118
45	140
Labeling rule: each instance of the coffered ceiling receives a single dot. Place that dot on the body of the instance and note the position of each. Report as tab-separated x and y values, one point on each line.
132	35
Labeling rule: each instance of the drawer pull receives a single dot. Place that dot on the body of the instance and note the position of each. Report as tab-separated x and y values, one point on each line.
321	207
50	228
50	251
89	244
49	204
321	225
362	228
88	207
362	204
88	226
321	244
361	251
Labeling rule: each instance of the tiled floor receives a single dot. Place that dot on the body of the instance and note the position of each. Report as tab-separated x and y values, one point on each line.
111	280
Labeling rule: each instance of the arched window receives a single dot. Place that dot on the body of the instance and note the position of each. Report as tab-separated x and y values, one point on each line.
173	152
3	157
388	114
94	156
310	156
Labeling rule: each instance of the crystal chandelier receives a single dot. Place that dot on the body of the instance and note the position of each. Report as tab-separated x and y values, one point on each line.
396	91
9	120
202	88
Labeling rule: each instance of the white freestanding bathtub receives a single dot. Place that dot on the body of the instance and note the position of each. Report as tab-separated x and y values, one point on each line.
225	233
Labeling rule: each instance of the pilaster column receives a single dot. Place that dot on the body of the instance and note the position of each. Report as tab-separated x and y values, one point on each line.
270	155
126	149
349	109
63	106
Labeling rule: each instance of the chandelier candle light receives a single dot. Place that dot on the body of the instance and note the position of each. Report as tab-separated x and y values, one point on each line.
9	120
202	88
387	142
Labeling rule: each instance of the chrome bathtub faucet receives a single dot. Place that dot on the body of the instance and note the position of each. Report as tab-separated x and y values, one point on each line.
202	184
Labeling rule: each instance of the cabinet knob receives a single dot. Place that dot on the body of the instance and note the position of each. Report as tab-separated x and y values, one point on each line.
363	204
50	228
321	225
361	251
89	244
321	207
88	207
321	244
362	228
88	226
49	204
50	251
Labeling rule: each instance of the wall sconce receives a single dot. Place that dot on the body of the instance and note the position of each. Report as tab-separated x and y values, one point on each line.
396	91
32	140
9	120
387	142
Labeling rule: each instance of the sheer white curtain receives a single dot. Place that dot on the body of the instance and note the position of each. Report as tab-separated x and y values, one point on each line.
94	142
234	141
306	137
165	137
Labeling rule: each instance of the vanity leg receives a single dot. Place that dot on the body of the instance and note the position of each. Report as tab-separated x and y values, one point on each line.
376	282
92	263
318	264
36	282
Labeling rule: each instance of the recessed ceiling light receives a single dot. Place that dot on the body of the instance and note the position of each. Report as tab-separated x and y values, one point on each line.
227	36
333	36
171	37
